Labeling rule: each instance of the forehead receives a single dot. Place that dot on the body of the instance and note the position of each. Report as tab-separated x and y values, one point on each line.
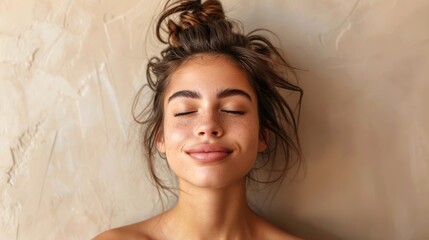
208	73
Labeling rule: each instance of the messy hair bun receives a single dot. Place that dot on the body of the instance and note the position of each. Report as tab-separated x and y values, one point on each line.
194	28
192	12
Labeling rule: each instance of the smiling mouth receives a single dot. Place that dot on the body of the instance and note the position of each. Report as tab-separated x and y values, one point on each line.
208	153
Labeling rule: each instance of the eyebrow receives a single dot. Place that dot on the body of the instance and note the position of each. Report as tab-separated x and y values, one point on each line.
232	92
186	94
223	93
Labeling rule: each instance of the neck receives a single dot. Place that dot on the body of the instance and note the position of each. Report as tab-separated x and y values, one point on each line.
203	213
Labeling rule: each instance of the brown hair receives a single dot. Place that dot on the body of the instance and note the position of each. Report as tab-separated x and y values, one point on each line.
202	28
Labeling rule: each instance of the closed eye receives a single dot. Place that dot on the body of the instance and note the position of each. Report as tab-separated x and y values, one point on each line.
234	112
183	113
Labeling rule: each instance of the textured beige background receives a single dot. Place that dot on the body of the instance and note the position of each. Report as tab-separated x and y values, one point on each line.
70	165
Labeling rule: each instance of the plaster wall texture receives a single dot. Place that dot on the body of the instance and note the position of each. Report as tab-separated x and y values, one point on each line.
70	163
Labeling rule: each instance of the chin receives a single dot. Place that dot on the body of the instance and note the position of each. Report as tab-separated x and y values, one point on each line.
214	182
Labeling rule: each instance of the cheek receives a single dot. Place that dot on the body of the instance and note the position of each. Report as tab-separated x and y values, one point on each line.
175	132
247	126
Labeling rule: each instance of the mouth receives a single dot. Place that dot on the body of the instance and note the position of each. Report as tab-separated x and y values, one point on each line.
208	152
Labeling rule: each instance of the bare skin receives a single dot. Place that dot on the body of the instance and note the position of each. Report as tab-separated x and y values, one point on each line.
214	216
212	201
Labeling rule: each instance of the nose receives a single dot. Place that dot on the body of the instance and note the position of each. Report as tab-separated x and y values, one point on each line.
209	126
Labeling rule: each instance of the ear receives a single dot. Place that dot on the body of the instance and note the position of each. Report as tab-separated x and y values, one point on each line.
160	145
263	143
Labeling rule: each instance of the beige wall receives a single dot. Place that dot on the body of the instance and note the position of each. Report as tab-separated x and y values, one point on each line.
70	165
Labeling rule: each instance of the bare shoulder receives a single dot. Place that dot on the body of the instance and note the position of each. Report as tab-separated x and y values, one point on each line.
145	230
122	233
276	233
112	234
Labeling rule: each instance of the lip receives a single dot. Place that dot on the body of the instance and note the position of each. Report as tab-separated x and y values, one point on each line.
208	152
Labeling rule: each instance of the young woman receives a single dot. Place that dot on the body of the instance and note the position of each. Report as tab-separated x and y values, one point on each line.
217	116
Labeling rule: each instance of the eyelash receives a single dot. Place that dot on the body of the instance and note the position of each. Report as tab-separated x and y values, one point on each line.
234	112
183	113
225	111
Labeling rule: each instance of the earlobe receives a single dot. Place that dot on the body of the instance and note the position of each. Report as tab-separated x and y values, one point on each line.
262	145
160	142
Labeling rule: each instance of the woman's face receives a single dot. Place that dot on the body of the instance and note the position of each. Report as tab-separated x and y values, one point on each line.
210	133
